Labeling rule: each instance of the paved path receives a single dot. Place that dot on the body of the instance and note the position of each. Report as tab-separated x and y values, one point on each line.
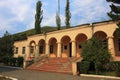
38	75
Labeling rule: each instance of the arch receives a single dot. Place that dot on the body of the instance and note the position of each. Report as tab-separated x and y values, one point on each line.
41	46
100	35
116	39
53	47
65	38
80	39
66	46
32	43
41	41
32	48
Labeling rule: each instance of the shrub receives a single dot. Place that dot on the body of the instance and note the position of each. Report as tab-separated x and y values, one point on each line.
6	60
92	66
94	50
13	61
83	66
98	67
115	65
20	61
10	61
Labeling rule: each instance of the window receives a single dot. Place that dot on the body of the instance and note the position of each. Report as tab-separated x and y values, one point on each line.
16	50
51	48
31	49
41	49
65	47
119	44
23	50
80	46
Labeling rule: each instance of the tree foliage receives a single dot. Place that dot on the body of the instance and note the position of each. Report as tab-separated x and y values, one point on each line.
38	17
115	11
58	20
94	50
67	14
6	45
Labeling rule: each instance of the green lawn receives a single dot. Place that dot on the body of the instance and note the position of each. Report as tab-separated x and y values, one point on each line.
108	73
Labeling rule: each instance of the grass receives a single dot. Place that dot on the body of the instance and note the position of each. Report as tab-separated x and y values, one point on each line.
106	73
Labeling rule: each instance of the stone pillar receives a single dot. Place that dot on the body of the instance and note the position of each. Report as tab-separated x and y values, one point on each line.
111	46
27	51
74	68
73	49
37	52
26	56
59	49
47	49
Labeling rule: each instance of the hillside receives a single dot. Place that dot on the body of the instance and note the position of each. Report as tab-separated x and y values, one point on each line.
23	35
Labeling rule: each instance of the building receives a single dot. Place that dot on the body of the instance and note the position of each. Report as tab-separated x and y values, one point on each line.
67	42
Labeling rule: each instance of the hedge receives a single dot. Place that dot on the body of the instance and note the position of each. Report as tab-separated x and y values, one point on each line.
83	67
11	61
115	65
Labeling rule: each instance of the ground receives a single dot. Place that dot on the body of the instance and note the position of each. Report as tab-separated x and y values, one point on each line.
39	75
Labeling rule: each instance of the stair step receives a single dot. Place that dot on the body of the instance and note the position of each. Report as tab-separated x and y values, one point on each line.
53	65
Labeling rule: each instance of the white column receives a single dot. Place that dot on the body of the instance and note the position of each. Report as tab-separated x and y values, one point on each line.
59	49
111	46
73	48
47	49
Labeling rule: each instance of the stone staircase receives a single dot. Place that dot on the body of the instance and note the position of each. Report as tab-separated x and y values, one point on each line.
62	65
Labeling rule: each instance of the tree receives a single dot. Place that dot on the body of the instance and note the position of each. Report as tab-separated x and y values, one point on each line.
95	51
7	45
67	14
58	21
38	17
115	11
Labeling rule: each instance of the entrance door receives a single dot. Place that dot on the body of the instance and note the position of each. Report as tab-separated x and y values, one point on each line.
70	49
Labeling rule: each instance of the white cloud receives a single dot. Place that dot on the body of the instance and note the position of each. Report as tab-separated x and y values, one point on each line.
19	14
89	10
20	11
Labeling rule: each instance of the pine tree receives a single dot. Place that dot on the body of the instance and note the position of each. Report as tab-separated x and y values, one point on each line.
38	17
58	20
67	14
115	11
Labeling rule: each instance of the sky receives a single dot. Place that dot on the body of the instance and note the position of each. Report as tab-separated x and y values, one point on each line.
19	15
